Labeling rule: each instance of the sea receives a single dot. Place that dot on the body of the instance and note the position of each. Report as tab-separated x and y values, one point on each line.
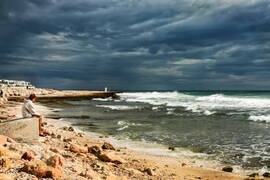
231	127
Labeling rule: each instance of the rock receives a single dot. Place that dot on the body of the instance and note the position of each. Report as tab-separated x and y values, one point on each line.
44	124
55	150
107	146
149	171
28	156
41	170
65	128
94	150
58	136
56	161
227	169
171	148
110	157
266	174
81	134
70	129
5	177
67	140
5	139
5	163
7	153
90	174
78	149
254	175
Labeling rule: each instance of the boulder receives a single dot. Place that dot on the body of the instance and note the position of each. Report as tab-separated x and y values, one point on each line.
227	169
78	149
148	171
56	161
109	156
41	170
28	156
107	146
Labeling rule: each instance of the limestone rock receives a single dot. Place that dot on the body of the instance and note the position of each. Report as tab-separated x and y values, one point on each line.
40	169
56	161
90	174
108	156
108	146
5	163
78	149
5	177
227	169
149	171
28	156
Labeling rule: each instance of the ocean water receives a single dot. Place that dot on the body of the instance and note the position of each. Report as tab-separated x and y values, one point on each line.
230	127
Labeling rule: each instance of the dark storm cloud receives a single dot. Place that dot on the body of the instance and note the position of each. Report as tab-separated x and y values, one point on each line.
161	44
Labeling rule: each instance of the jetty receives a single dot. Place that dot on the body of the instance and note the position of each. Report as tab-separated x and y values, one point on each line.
70	95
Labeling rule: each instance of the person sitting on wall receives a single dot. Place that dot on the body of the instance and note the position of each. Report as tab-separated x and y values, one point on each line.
29	110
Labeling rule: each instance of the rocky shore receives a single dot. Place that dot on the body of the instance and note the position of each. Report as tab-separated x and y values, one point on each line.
67	153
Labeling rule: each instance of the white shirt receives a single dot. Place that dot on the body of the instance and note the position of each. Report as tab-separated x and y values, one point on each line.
28	109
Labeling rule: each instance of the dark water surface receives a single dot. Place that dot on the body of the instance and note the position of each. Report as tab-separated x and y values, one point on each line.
231	127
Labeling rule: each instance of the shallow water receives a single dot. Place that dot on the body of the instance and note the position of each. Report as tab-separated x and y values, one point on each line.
231	127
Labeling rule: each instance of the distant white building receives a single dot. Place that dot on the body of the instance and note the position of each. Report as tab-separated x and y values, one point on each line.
14	83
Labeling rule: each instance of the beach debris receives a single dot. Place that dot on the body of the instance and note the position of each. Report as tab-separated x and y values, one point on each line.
94	150
227	169
41	170
109	156
56	161
107	145
5	139
254	175
78	149
266	174
71	129
28	156
172	148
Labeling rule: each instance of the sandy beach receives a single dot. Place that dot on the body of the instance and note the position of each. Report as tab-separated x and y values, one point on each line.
67	153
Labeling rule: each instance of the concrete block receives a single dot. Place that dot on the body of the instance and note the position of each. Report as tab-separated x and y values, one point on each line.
22	130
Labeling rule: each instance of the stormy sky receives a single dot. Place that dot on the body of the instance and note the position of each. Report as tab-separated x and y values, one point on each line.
137	44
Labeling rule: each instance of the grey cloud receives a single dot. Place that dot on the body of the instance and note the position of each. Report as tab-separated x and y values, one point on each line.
93	43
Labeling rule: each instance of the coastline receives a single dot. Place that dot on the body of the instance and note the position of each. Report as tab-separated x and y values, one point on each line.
134	164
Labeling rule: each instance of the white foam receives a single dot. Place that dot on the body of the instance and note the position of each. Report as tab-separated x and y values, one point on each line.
206	105
118	107
261	118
